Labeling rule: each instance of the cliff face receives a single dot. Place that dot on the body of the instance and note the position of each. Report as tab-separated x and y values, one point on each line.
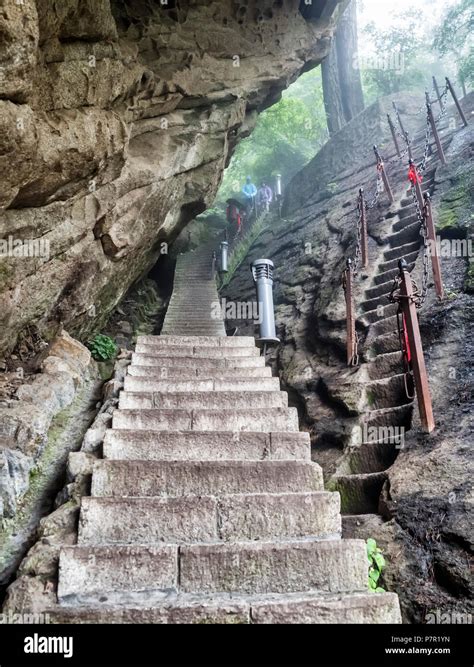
117	119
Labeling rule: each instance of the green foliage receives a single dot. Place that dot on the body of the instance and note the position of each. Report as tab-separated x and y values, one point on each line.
400	60
286	137
376	565
102	348
239	252
453	38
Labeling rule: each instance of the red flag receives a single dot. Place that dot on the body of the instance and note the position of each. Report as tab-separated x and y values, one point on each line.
407	344
413	175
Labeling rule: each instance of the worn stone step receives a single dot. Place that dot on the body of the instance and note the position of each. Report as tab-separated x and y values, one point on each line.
359	493
279	419
385	326
286	608
232	517
410	234
275	567
380	313
387	392
386	276
201	341
139	384
402	250
198	351
372	304
393	263
354	608
202	399
386	343
176	478
205	445
385	365
395	419
383	289
189	372
115	574
198	362
373	456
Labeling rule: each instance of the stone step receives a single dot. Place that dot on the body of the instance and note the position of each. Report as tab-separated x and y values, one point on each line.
373	456
386	326
233	517
139	384
381	289
372	304
387	392
386	343
176	478
411	234
393	263
194	341
205	445
198	351
359	493
188	373
402	250
386	365
275	567
404	222
197	362
394	419
287	608
115	574
380	313
279	419
202	399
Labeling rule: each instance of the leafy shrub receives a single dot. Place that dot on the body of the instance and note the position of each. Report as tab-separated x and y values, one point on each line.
102	347
376	565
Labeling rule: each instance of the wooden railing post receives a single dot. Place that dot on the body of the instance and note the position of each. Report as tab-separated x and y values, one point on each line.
438	94
403	131
363	230
417	357
394	135
456	101
350	313
380	165
431	234
434	129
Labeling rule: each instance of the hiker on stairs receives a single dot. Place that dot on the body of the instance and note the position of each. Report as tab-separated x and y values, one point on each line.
264	197
250	192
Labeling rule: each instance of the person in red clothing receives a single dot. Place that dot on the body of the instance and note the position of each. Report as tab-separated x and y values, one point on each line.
234	215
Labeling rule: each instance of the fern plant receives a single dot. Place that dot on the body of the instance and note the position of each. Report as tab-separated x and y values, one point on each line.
102	347
376	565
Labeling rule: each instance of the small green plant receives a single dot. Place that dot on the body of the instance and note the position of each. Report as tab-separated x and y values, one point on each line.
102	347
376	565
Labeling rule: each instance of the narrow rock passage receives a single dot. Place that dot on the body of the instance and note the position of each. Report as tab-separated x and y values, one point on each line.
206	506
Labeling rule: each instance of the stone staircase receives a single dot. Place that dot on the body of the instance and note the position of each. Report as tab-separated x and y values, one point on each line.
206	507
362	474
190	309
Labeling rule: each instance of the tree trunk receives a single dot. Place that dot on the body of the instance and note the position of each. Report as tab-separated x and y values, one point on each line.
349	73
342	85
331	91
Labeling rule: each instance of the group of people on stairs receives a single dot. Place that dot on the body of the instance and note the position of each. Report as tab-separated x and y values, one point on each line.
255	200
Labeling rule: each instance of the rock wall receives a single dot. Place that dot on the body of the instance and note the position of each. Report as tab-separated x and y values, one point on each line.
117	119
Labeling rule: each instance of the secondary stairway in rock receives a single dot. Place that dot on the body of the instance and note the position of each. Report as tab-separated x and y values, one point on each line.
362	474
206	507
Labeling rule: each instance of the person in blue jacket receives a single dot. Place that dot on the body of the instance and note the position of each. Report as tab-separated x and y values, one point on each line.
250	192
